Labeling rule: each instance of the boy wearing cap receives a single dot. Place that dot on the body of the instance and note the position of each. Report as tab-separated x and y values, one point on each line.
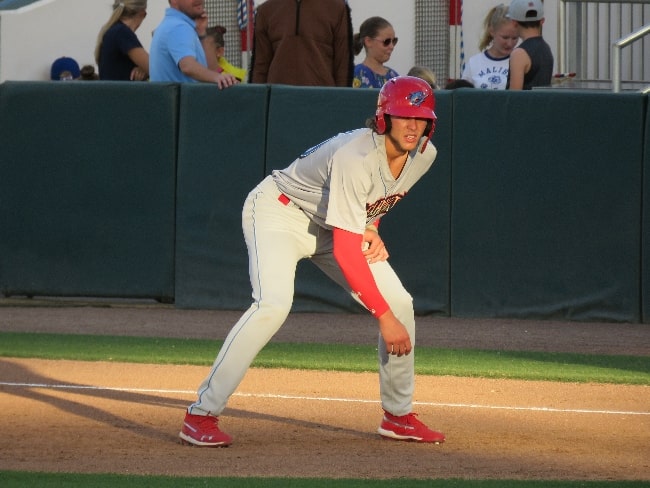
531	63
65	69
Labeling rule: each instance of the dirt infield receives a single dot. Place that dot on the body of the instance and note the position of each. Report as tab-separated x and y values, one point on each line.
112	417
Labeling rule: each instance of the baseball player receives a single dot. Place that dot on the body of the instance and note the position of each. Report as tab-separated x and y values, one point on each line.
326	207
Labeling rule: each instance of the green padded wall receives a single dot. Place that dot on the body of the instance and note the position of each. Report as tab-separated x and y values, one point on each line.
220	159
645	265
538	205
546	200
87	189
300	117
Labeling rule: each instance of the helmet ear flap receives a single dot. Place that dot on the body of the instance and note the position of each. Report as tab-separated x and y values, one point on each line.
428	133
380	122
430	129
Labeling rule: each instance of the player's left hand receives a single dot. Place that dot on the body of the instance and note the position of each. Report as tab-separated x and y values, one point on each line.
394	334
376	250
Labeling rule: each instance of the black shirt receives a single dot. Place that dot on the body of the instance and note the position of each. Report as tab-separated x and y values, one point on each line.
114	62
541	63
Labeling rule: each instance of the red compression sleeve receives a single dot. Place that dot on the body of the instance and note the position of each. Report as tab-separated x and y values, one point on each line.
348	255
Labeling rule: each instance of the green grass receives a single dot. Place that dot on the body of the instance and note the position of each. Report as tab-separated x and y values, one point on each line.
564	367
12	479
429	361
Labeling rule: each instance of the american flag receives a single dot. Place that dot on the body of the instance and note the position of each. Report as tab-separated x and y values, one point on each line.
246	12
242	13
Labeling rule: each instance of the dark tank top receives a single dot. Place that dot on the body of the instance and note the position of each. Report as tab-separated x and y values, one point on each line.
541	63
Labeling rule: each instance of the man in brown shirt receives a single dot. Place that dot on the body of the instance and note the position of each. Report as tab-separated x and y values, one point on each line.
303	42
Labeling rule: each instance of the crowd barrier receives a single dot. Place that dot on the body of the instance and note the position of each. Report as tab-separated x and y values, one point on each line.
547	191
537	206
87	189
645	225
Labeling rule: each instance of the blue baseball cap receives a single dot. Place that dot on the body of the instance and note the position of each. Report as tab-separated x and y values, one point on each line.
65	68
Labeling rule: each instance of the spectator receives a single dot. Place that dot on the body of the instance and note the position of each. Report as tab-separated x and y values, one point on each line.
424	73
458	83
325	207
216	49
65	69
303	42
377	37
531	63
119	53
177	52
88	73
489	68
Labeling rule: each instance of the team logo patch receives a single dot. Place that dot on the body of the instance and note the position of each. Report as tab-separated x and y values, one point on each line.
382	206
417	98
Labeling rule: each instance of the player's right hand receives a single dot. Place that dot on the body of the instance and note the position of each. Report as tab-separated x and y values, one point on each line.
394	334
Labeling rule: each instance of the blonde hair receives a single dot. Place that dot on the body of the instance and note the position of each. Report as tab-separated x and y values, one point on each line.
424	73
122	9
494	19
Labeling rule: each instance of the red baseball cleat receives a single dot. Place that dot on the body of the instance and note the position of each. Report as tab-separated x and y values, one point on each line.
203	431
408	428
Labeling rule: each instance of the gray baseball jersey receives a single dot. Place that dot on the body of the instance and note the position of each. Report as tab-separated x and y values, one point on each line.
345	182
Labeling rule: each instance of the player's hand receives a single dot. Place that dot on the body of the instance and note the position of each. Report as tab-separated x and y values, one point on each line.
375	250
394	334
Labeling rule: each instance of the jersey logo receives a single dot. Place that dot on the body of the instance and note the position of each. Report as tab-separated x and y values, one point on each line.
417	98
382	206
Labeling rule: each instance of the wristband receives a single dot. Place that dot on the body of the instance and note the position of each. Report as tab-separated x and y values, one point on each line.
372	227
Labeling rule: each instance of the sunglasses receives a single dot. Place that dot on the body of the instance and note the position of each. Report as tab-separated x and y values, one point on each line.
387	42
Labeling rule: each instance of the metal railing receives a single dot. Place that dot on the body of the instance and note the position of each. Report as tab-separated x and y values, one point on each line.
616	54
587	32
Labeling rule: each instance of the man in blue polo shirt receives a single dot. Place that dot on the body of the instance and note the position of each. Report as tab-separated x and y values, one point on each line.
177	52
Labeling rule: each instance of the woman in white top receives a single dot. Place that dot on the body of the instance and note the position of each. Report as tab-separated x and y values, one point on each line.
489	68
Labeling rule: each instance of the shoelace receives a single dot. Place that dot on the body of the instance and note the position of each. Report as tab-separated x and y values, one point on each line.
209	423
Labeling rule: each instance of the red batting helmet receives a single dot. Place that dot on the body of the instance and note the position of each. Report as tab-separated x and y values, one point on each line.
406	96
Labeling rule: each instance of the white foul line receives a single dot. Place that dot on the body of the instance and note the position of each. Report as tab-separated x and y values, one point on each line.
321	399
